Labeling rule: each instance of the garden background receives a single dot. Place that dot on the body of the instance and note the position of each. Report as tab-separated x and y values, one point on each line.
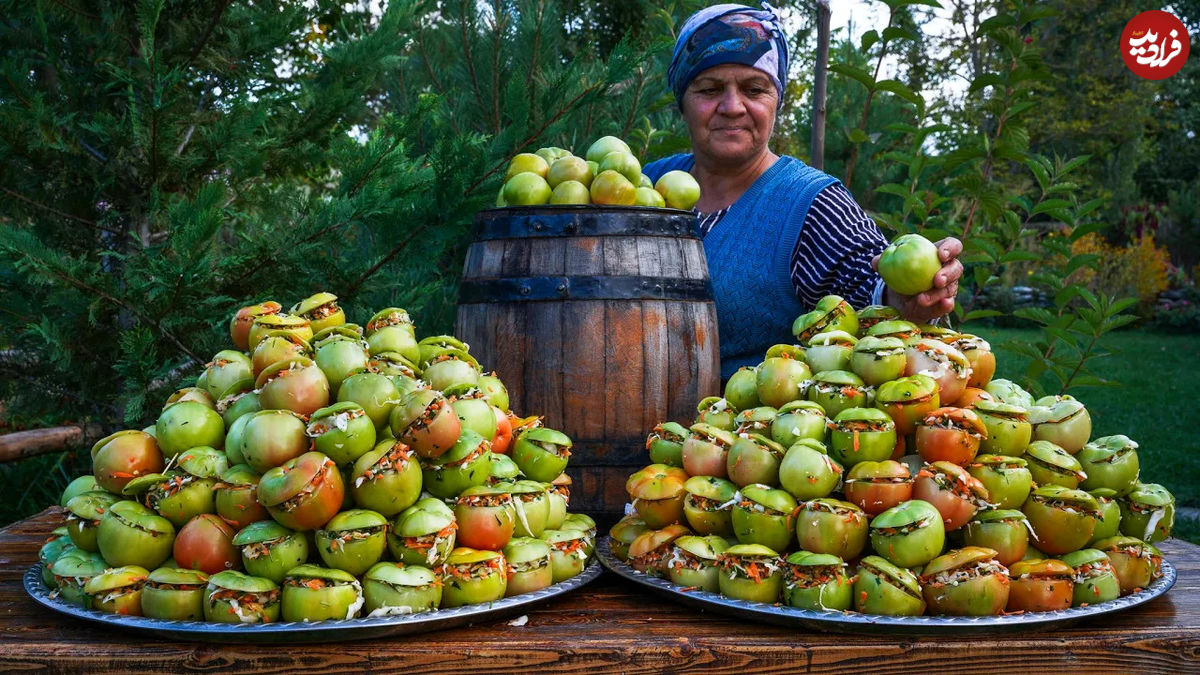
164	163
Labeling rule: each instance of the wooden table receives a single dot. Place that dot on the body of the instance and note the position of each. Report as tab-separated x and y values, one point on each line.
610	626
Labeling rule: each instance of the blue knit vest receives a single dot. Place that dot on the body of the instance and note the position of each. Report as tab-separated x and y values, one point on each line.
750	255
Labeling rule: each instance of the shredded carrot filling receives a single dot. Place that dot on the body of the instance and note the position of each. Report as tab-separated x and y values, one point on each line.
323	311
475	454
474	571
756	569
393	319
488	500
705	504
428	541
392	462
1069	507
310	583
569	547
809	576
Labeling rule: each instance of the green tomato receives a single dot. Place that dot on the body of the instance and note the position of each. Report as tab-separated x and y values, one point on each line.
186	425
526	189
131	534
174	594
569	169
679	189
623	163
233	597
831	527
908	535
604	145
471	577
750	572
883	588
1095	579
647	196
397	589
816	581
909	264
570	192
527	162
312	593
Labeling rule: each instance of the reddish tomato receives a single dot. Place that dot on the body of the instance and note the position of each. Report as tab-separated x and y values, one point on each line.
951	435
205	543
900	448
972	395
958	501
876	487
278	487
485	526
1040	586
123	456
983	367
504	432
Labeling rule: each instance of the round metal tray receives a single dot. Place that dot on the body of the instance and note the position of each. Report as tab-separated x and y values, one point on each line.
305	632
873	624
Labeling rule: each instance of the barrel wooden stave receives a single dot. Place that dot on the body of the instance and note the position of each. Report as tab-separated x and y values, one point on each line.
603	371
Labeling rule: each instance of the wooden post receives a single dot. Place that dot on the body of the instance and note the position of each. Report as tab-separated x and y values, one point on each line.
24	444
817	160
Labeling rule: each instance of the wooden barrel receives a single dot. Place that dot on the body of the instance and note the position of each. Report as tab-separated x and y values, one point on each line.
600	319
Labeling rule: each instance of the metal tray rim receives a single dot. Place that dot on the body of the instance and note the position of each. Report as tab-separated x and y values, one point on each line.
306	632
873	624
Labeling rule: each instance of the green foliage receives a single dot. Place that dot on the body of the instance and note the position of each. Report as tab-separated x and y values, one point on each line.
169	164
1008	204
1141	134
1092	104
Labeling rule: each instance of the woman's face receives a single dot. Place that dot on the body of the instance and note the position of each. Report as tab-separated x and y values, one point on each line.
730	113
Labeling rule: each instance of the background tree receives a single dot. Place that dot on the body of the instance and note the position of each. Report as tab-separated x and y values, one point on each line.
166	163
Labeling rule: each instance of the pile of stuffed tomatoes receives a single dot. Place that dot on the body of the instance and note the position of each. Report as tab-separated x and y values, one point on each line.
321	469
878	467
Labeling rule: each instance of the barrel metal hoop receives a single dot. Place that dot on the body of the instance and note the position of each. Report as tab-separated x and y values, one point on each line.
512	223
534	289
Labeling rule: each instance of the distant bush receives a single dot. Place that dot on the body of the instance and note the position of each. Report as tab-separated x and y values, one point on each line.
1138	269
1178	311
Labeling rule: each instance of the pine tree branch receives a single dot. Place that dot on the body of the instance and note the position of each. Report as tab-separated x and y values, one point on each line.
533	54
470	189
432	77
145	231
212	26
466	46
187	135
101	293
535	134
16	92
637	95
76	10
497	12
386	259
362	180
62	214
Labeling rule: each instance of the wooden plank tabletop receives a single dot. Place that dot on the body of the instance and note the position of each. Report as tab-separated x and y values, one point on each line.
609	626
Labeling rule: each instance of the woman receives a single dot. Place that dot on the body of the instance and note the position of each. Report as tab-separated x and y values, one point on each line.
778	234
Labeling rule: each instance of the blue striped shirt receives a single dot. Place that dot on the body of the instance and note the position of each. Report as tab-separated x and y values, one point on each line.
833	253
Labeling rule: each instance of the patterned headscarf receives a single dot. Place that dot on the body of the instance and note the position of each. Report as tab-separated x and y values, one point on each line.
729	33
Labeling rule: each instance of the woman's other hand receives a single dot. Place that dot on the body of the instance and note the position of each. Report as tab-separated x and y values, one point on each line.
937	301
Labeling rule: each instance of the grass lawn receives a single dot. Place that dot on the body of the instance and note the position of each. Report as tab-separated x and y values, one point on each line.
1156	402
